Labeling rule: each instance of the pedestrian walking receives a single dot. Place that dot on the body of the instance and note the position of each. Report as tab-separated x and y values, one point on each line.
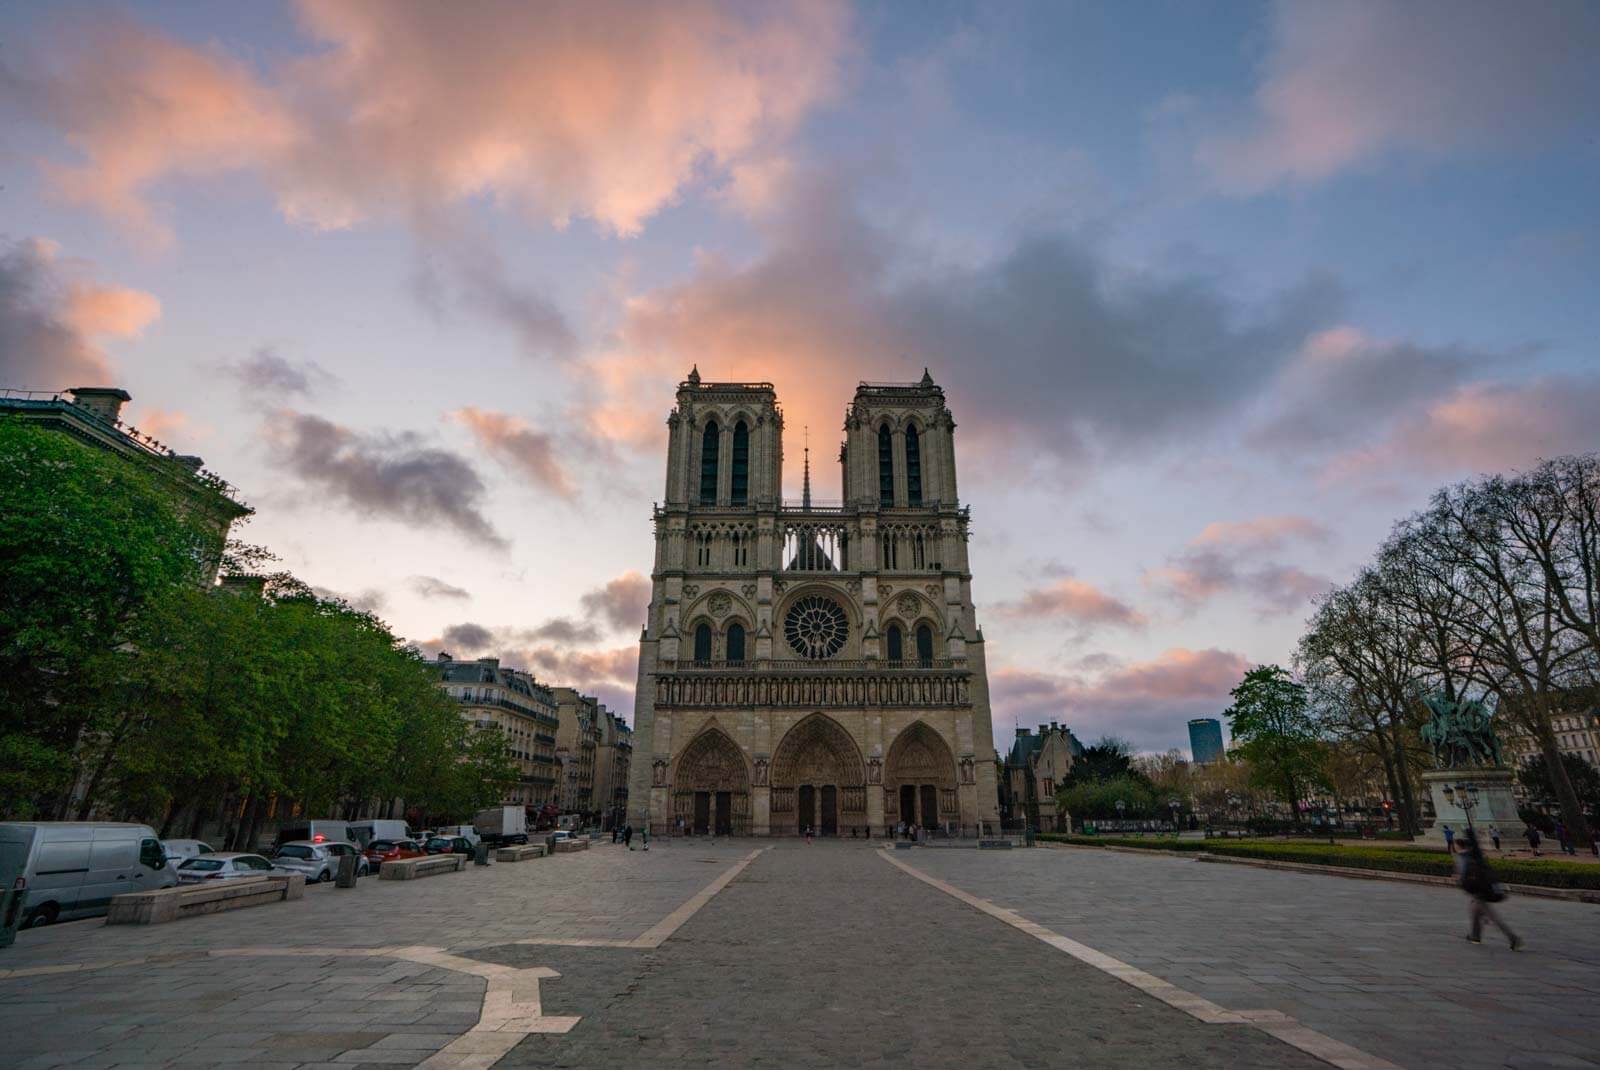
1594	837
644	834
808	833
1494	835
616	834
1564	838
627	837
1477	879
1449	838
1533	840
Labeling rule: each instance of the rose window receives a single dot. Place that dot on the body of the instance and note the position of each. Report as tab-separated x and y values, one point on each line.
816	627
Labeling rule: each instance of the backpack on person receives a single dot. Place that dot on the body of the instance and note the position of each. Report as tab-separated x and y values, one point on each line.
1477	880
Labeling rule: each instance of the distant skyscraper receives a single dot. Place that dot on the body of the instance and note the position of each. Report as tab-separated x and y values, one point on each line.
1205	740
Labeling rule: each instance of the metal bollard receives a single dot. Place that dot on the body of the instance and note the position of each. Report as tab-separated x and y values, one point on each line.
480	854
346	877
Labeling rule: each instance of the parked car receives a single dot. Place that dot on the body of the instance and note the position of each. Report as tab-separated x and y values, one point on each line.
380	851
448	845
180	851
223	866
71	869
317	862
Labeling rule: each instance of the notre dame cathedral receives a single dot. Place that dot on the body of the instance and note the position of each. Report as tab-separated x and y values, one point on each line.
813	663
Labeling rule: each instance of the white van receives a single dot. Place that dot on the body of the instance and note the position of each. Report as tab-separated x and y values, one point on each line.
73	868
378	828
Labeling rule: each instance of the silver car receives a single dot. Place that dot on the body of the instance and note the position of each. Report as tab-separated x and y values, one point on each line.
317	862
223	866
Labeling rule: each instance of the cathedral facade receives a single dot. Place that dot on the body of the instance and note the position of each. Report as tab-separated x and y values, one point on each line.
811	664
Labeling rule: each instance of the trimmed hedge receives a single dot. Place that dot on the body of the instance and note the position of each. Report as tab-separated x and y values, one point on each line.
1552	874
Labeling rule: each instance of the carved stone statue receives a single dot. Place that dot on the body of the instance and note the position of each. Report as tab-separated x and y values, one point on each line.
1460	734
659	771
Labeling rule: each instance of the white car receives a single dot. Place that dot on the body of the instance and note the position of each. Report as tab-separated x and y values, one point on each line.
317	862
223	866
180	851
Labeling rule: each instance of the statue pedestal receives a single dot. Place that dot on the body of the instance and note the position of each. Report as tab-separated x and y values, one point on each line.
1495	806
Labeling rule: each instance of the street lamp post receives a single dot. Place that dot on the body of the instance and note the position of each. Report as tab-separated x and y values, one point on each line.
1173	804
1121	806
1466	797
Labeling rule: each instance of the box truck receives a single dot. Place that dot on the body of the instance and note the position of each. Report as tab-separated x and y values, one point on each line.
502	825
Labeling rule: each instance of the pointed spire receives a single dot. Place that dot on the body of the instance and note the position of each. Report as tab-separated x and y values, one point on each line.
927	380
805	487
694	375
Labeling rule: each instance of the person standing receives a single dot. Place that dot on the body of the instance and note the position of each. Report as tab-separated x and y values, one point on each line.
627	837
1494	835
644	834
1449	839
1533	839
1564	838
1477	880
808	833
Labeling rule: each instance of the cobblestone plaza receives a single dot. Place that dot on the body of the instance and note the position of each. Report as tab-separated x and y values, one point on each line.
741	954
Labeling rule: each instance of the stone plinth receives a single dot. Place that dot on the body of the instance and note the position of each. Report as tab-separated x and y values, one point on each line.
405	869
187	900
1496	805
519	853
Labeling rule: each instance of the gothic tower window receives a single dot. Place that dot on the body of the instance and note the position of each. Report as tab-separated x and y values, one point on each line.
897	649
885	466
913	467
741	463
702	644
736	642
924	644
710	443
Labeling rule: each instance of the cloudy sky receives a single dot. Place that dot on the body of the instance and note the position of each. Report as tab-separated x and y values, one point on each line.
1216	291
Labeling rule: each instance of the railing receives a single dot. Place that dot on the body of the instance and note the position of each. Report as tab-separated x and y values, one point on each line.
817	665
536	715
814	689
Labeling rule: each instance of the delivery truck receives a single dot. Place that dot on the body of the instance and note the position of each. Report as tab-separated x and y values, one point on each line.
500	826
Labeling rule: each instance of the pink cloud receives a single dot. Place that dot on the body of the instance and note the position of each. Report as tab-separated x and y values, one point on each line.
1262	531
1484	427
1078	601
604	111
622	602
53	318
516	445
1148	702
1228	557
1344	84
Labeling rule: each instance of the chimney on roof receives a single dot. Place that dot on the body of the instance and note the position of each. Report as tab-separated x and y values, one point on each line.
1043	729
1022	733
104	401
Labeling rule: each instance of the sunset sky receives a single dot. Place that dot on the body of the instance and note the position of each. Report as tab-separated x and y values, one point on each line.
1216	291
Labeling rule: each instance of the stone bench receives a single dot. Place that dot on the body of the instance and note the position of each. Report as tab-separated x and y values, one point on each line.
995	845
405	869
520	853
577	843
187	900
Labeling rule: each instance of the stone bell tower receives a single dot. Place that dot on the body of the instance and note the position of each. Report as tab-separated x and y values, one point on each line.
806	663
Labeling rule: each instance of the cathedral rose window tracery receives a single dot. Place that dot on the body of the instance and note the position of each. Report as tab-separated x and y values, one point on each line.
816	627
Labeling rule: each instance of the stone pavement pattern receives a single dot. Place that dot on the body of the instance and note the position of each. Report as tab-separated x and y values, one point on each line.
809	956
1379	965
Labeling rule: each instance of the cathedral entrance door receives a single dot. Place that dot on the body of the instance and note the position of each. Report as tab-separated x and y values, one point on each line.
830	811
908	803
806	811
930	806
724	813
702	812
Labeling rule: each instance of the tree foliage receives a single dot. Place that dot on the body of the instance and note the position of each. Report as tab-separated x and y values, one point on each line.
161	697
1275	733
1585	779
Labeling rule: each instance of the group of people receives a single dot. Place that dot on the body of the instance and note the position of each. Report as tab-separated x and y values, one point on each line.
1534	837
624	836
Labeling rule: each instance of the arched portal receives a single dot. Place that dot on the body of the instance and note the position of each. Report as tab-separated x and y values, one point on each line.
711	786
919	780
818	779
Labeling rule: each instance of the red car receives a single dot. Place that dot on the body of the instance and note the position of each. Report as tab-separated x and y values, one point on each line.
380	851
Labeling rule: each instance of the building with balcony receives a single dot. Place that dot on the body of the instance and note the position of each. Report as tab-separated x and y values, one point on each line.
810	664
612	757
520	708
577	740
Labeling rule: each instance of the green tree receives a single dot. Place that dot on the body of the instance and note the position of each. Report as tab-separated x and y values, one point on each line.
88	541
1108	759
1275	732
1584	778
1099	798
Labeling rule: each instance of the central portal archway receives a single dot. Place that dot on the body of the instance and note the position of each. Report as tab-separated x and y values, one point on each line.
711	786
818	779
919	780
